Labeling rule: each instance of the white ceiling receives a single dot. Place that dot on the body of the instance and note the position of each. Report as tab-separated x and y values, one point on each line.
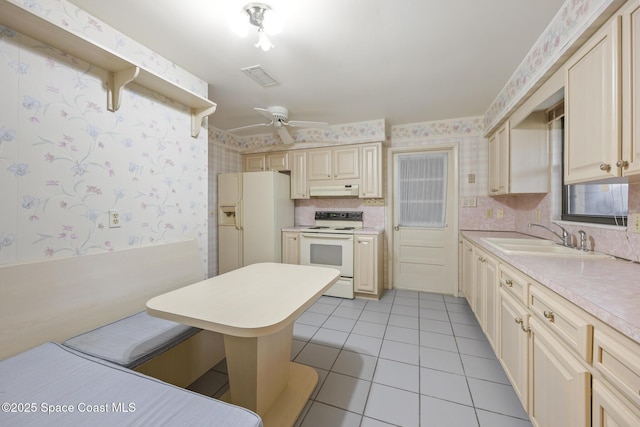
343	61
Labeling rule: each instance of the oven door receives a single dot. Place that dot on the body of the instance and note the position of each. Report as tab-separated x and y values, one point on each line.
328	250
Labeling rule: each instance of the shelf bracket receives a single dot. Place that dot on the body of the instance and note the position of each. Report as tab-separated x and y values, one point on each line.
117	81
197	116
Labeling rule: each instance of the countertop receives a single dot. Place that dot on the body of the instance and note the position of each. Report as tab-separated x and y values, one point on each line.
608	289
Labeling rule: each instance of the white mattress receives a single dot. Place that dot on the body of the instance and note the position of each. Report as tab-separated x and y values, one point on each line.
54	385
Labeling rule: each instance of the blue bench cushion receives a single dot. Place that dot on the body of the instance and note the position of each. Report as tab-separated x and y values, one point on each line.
133	340
53	385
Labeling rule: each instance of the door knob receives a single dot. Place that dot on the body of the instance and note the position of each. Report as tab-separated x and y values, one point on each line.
397	228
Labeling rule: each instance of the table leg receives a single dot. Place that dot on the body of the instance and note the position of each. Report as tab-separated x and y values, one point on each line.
263	378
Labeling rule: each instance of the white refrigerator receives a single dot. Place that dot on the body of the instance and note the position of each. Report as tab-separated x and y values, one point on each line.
253	207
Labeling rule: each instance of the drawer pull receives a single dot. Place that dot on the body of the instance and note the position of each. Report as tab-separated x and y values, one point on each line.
509	282
519	321
549	315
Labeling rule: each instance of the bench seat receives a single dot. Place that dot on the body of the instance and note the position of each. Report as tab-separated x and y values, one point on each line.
131	341
55	385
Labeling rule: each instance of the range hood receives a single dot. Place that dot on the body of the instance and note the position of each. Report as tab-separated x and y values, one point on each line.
334	191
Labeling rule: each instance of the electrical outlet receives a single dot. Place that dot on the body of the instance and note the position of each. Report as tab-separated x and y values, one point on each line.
114	219
471	178
488	213
500	213
538	215
635	224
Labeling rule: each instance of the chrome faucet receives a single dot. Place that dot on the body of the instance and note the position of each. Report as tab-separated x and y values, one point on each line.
566	237
583	240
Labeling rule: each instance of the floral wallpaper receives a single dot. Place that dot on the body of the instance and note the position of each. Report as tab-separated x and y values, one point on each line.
66	162
350	133
562	33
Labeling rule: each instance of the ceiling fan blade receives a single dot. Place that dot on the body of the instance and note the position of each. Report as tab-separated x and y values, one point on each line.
285	136
259	125
303	124
266	113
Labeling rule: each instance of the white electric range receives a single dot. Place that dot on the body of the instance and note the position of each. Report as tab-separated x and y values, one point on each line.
329	243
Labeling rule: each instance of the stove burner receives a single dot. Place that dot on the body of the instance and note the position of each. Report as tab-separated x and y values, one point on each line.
345	228
317	227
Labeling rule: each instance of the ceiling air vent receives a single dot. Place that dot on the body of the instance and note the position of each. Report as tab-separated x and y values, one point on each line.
260	75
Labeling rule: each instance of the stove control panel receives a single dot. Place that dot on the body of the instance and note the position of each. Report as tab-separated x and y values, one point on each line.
341	216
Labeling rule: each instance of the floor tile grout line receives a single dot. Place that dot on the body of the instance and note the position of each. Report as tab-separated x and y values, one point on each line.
464	370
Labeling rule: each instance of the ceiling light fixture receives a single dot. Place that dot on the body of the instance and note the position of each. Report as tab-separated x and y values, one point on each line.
260	15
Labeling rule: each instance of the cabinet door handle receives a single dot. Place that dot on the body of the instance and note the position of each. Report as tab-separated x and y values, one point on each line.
509	282
549	315
605	167
622	164
521	323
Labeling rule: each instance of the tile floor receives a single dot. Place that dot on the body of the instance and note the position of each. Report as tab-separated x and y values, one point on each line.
410	359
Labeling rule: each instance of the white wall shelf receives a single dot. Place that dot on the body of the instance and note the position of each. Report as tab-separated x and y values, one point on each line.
121	71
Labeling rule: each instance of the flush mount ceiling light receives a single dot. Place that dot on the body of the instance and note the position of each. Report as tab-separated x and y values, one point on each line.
260	15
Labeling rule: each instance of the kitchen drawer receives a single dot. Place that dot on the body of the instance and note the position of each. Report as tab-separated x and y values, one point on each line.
618	360
570	323
608	408
515	283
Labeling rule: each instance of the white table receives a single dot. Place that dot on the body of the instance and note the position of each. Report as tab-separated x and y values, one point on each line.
254	307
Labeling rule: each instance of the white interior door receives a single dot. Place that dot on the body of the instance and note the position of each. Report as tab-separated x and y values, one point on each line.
425	221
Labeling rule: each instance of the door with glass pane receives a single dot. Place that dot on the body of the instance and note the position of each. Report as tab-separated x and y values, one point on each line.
424	236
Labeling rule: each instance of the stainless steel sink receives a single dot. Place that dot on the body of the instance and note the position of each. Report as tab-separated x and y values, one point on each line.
542	247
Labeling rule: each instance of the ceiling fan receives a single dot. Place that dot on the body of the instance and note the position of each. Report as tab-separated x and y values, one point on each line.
279	120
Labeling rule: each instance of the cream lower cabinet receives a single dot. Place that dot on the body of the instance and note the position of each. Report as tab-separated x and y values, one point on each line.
488	274
290	247
559	383
616	399
367	264
467	271
513	348
566	367
609	409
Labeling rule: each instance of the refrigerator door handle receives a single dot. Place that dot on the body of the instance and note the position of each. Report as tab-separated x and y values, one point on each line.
238	215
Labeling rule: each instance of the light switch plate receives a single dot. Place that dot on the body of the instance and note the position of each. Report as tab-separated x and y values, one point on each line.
635	223
469	202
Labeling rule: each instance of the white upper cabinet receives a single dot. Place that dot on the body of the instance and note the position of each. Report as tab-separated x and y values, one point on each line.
519	157
333	164
592	107
278	161
602	102
372	171
630	161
